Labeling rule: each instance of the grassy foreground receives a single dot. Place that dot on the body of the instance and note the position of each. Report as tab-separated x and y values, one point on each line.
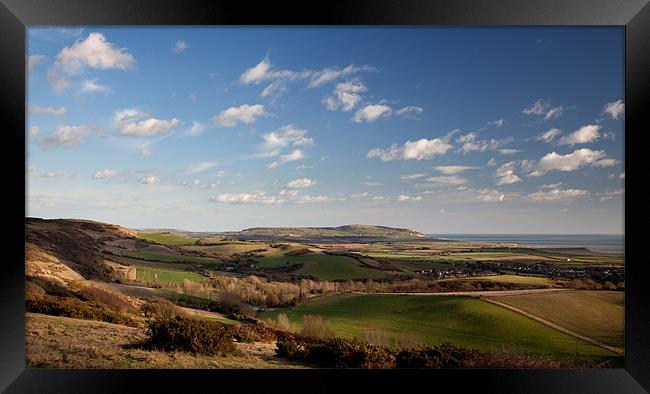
61	342
463	321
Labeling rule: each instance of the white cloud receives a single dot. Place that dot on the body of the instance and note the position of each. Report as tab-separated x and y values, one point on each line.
57	81
150	180
285	136
180	46
491	163
34	60
91	86
32	131
413	150
105	174
498	123
615	109
38	110
447	180
406	198
409	111
275	88
609	194
472	143
293	156
196	129
132	123
345	95
453	170
371	112
548	135
285	197
558	195
273	165
245	114
145	152
490	195
509	151
584	135
412	177
544	108
622	176
257	73
199	167
50	174
94	52
372	183
301	183
326	75
66	135
570	162
505	174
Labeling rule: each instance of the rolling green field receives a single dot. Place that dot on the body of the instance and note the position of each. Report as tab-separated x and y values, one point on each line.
166	276
595	314
167	238
323	266
462	321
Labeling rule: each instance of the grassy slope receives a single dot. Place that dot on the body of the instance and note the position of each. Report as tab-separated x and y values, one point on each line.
167	238
323	266
460	320
595	314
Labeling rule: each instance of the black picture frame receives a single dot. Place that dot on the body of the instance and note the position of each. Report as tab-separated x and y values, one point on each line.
16	15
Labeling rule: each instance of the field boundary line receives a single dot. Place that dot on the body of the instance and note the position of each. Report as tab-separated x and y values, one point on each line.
555	326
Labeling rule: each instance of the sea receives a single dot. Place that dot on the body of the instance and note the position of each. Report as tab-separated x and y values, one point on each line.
608	243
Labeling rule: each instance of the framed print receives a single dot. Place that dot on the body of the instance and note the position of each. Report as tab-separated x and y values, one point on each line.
381	193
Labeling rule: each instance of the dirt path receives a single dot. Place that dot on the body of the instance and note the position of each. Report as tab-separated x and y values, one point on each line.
559	328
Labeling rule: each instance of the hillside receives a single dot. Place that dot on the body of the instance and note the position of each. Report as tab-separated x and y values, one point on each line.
69	249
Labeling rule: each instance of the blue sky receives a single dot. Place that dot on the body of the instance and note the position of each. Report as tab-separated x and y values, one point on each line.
443	130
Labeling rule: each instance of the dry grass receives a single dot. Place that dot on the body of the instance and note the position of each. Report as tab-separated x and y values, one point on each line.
59	342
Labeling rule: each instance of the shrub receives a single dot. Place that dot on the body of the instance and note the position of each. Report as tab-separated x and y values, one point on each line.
351	353
281	323
190	335
77	309
441	356
251	332
336	353
159	307
315	326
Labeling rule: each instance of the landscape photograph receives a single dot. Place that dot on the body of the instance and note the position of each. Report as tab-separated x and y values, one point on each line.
324	197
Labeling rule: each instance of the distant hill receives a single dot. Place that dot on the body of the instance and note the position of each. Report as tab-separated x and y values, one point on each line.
348	233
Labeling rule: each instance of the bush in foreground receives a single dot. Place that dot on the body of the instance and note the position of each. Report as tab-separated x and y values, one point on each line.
186	334
354	353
